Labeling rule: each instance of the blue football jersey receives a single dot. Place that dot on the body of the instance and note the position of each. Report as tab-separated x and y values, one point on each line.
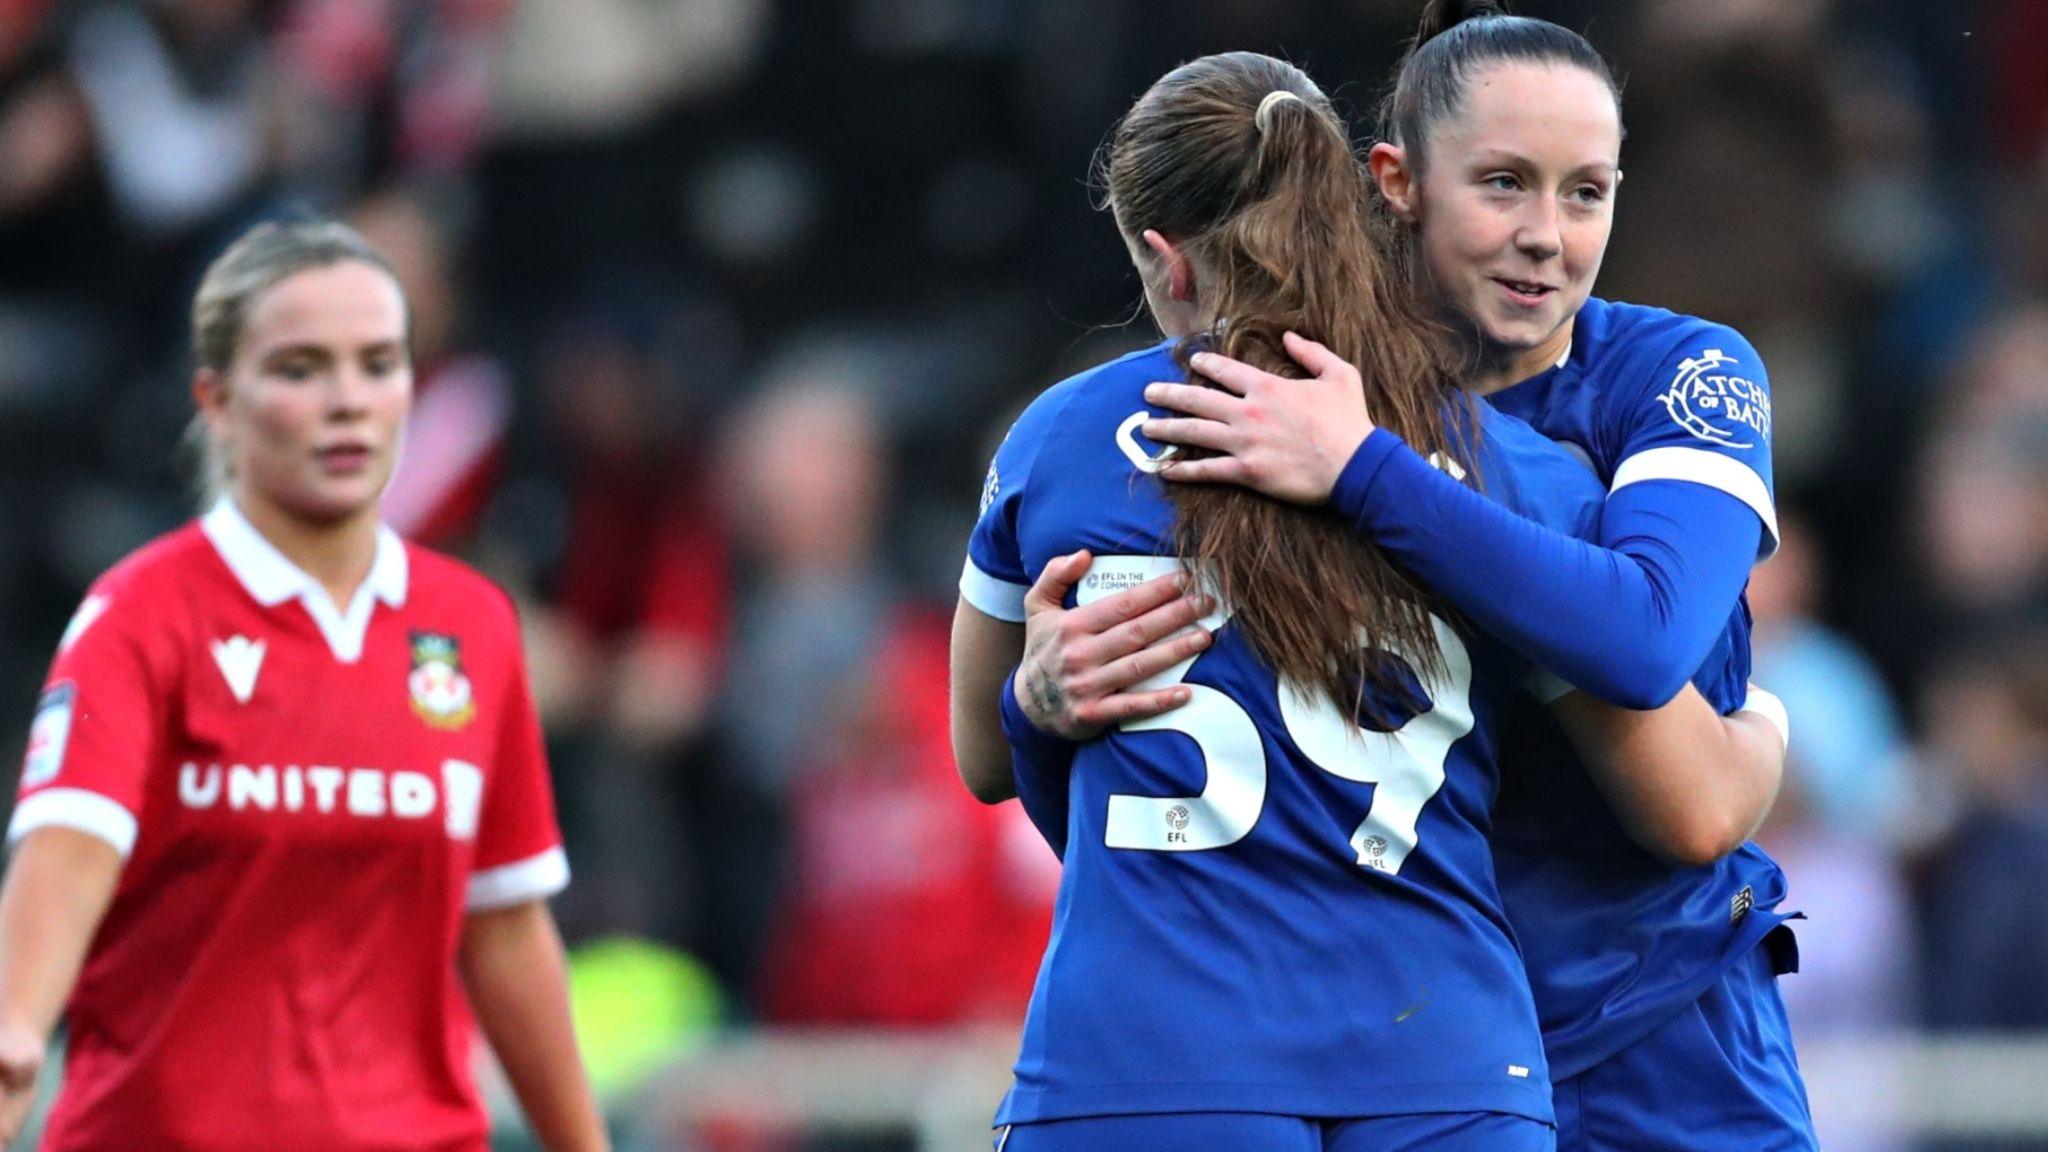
1616	941
1265	906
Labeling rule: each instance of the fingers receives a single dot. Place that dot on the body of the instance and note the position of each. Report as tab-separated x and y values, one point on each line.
1234	375
1190	433
1194	400
1146	663
1128	706
1214	470
1128	605
1057	579
1313	356
1138	634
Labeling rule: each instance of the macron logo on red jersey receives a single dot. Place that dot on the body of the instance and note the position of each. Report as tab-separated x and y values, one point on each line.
240	659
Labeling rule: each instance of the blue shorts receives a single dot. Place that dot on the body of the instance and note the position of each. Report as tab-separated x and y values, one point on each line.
1721	1076
1256	1132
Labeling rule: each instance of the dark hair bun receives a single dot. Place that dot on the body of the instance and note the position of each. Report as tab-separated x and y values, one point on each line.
1439	16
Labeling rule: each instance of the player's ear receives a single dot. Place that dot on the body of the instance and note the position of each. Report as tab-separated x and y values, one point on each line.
210	397
1180	271
1389	166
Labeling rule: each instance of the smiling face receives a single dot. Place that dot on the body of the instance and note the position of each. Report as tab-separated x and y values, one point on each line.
309	413
1515	203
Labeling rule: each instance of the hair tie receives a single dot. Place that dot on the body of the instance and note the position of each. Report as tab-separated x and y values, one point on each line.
1263	118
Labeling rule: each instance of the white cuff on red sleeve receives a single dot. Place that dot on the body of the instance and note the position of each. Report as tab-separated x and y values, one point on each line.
77	809
534	878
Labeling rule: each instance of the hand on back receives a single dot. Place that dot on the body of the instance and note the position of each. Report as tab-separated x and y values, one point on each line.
1081	664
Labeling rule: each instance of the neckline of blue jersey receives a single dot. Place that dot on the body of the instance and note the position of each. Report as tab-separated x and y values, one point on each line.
1546	374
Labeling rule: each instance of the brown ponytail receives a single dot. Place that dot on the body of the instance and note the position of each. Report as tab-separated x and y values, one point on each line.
1273	209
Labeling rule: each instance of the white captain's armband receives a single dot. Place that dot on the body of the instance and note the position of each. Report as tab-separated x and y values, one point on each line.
1715	399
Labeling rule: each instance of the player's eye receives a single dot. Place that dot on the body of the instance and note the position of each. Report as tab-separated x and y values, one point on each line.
296	370
1503	182
1588	194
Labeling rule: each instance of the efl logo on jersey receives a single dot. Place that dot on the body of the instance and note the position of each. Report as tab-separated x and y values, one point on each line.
1717	406
441	694
48	735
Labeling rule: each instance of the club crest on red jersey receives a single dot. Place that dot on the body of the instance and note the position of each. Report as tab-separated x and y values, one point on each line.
441	693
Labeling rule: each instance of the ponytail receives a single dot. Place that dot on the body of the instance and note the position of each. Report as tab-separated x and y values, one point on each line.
1439	16
1241	160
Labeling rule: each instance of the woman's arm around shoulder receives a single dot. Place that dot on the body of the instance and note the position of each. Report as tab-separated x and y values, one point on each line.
1689	785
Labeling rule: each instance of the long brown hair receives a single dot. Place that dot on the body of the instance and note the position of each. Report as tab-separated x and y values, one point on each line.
1268	199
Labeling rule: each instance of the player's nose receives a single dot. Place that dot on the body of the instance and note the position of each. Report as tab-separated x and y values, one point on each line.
349	395
1538	235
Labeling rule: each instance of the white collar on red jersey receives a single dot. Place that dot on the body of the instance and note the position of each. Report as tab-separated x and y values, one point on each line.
271	579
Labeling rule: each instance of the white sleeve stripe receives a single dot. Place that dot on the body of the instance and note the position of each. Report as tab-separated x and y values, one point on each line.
1699	466
534	878
79	810
1770	708
999	598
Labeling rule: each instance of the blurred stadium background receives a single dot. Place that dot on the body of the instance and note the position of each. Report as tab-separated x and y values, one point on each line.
720	305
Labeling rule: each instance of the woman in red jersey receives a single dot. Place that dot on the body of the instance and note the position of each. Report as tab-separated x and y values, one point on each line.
285	800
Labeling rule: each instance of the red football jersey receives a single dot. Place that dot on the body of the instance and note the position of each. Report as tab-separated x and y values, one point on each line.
310	799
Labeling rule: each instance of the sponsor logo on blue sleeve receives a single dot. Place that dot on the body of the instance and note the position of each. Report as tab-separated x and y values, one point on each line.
990	485
1709	400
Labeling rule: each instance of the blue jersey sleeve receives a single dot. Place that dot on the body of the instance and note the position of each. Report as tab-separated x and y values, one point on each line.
994	579
1628	620
1701	415
1041	764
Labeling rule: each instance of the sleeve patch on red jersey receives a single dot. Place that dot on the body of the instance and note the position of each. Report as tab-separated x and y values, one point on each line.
48	735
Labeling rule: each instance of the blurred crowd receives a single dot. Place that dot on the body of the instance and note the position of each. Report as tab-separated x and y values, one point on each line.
719	306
